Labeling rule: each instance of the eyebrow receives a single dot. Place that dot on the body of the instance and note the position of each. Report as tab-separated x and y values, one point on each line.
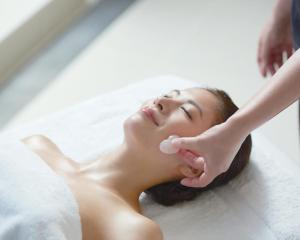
190	101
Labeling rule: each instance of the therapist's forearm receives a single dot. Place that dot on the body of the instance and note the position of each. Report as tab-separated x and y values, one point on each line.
281	13
281	91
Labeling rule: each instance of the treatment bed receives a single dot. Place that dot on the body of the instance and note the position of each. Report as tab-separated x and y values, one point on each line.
261	203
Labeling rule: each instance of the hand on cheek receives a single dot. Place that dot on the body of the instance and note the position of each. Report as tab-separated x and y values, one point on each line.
194	160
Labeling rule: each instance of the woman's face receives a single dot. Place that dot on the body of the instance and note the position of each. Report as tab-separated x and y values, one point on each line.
185	113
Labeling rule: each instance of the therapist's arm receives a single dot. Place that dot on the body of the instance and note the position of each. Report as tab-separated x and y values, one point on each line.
219	144
281	91
275	38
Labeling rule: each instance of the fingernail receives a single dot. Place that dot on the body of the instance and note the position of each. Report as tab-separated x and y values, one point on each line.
183	182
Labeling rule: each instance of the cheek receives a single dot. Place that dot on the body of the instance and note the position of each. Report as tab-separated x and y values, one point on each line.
133	127
140	134
181	126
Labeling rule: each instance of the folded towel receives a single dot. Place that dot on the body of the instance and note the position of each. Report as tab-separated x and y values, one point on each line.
35	202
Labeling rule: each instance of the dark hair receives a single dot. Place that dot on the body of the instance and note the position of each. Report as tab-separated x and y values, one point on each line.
170	193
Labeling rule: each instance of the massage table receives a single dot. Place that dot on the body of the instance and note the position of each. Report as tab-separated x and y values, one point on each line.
263	202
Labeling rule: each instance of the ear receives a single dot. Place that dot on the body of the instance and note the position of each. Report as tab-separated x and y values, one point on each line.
189	171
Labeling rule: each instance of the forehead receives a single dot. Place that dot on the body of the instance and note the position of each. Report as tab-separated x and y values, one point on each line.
206	99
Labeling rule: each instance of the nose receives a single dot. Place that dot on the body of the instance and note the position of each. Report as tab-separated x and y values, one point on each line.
166	104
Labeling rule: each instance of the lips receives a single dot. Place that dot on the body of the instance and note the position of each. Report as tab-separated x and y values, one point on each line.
150	114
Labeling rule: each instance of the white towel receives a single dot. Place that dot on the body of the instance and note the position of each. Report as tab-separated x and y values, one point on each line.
262	203
35	202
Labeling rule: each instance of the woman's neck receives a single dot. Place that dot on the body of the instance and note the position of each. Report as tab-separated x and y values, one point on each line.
125	173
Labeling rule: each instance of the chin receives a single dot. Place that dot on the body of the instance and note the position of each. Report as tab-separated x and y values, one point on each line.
142	137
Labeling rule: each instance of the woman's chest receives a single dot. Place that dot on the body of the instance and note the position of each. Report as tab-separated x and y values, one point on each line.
102	215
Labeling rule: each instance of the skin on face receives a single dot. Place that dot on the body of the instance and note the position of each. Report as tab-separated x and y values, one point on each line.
176	113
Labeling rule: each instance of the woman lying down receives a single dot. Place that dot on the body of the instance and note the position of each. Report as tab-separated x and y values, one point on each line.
107	189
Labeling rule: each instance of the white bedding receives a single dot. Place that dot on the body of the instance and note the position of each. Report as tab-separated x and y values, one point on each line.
262	203
35	203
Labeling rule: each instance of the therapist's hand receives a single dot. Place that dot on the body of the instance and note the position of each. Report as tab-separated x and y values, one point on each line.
216	149
275	39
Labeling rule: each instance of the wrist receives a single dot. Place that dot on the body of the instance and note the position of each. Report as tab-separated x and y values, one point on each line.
281	15
239	125
280	22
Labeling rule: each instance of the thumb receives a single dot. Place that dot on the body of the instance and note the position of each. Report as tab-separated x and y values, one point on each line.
197	182
191	143
205	179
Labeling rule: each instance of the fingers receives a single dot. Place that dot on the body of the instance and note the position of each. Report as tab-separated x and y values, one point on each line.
190	182
192	160
197	163
263	70
205	179
260	60
268	58
279	59
189	172
201	181
289	51
263	63
271	69
187	143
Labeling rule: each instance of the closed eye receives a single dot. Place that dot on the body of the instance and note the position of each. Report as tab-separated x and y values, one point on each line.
186	112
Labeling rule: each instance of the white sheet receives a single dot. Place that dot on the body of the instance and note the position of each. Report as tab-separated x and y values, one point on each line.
262	203
35	203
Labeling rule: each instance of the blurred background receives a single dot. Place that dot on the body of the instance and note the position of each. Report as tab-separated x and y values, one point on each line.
56	53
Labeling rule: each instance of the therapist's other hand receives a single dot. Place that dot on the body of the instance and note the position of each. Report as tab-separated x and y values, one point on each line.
275	39
215	150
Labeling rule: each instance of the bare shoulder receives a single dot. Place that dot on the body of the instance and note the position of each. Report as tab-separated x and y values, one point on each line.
50	153
146	229
40	142
151	230
36	139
